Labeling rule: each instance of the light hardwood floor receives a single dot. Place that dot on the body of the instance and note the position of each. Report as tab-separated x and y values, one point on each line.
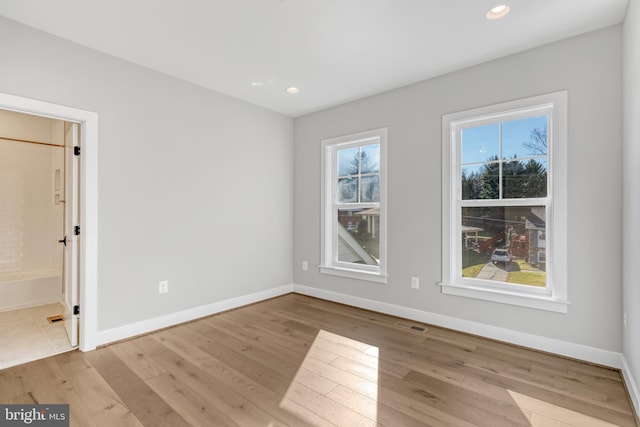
296	360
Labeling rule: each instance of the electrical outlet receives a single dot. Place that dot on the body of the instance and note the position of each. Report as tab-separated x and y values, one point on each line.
163	286
415	283
624	319
305	265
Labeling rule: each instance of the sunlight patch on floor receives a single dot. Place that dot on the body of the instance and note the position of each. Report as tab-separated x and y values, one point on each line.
547	414
336	383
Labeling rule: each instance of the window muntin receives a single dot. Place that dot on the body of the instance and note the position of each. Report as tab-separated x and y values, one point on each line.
354	194
503	160
500	186
542	256
358	204
359	174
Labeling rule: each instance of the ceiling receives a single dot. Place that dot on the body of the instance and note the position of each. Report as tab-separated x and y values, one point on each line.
333	50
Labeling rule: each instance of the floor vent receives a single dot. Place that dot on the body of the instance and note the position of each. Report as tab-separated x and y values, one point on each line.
55	319
411	327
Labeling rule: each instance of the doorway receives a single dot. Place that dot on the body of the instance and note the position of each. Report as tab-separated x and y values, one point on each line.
79	141
38	249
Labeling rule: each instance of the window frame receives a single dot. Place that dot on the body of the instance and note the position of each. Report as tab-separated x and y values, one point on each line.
554	297
329	263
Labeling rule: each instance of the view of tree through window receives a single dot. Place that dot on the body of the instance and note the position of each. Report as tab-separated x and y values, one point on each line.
358	197
502	161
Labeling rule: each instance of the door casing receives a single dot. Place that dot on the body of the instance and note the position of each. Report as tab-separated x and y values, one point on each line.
88	209
71	220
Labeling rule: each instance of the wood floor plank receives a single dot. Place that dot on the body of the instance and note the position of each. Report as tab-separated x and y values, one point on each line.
149	345
546	411
368	371
135	358
404	355
569	403
196	410
303	412
297	360
448	403
11	383
326	407
354	382
271	337
426	413
261	373
23	399
101	401
230	403
253	352
235	381
596	383
372	408
442	390
47	384
141	400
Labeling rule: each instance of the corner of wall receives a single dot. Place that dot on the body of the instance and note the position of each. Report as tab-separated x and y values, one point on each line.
631	206
632	386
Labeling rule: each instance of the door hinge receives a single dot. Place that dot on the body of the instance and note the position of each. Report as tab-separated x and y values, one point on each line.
76	150
76	310
76	230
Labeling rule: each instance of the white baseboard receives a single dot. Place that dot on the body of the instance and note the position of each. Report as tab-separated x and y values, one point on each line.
632	386
150	325
551	345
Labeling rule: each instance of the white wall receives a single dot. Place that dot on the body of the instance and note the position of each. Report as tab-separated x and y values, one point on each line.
589	67
27	215
194	186
30	221
631	224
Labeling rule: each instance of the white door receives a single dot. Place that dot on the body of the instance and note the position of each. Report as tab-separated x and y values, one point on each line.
71	220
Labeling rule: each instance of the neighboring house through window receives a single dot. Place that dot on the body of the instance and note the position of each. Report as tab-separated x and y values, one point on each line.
504	208
354	211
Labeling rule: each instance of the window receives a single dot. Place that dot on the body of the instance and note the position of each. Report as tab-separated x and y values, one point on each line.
354	212
542	257
504	207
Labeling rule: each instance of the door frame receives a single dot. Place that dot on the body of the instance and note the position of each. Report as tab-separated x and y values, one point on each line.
88	195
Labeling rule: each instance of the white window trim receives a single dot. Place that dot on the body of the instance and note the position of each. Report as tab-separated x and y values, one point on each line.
555	296
328	263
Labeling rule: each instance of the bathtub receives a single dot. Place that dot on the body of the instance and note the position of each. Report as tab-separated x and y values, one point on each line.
30	288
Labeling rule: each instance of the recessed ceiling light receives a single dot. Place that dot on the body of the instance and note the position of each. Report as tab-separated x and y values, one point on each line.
256	83
293	90
498	12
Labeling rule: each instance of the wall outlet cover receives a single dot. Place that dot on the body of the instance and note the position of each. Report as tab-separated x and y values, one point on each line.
163	286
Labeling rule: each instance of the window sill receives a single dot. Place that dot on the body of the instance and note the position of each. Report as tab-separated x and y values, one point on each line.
540	302
354	274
